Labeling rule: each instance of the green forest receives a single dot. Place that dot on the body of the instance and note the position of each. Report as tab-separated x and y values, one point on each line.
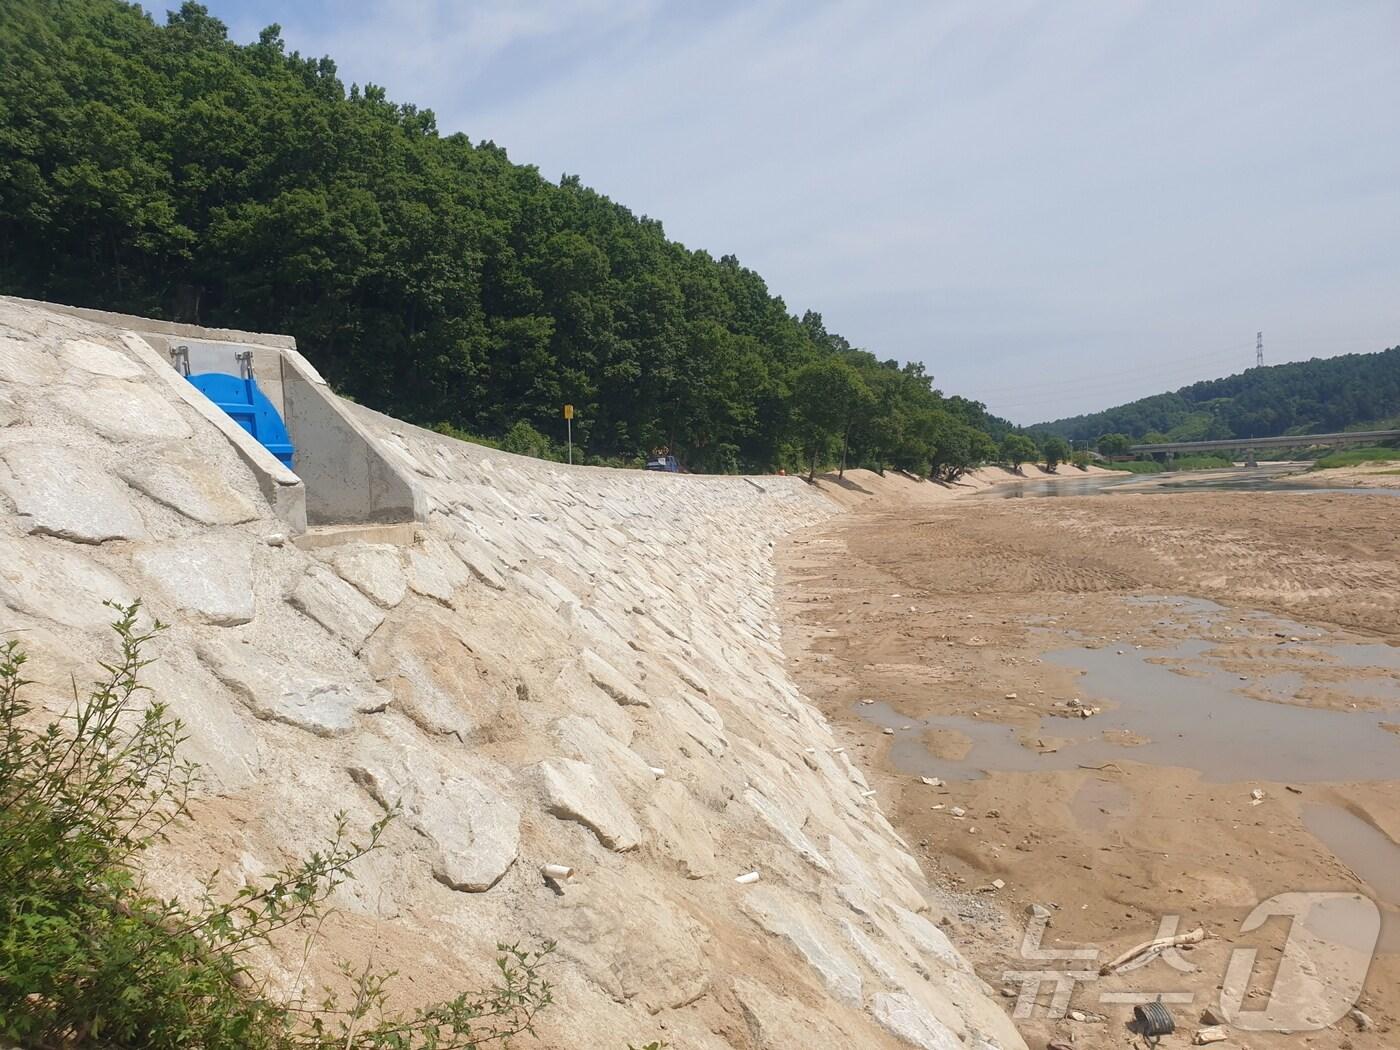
165	170
1350	392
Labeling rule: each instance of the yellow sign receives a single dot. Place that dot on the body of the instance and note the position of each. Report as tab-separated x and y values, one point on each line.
568	411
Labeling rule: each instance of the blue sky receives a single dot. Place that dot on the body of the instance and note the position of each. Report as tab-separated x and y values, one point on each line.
1056	206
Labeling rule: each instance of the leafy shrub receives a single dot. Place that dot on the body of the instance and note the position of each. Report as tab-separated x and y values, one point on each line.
448	430
89	956
525	440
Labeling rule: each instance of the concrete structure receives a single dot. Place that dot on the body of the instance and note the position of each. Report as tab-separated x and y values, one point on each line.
348	479
567	666
1353	437
340	476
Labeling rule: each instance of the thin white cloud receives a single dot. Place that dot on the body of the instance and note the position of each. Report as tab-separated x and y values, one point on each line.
1023	189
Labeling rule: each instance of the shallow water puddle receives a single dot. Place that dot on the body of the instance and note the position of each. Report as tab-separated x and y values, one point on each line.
1368	852
1171	707
1197	721
1175	709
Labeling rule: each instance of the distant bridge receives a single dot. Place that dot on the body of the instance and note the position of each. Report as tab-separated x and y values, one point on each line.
1351	437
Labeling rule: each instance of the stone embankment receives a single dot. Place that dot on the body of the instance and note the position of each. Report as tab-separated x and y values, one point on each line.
568	666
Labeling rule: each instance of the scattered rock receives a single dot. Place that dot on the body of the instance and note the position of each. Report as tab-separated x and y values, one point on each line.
788	919
681	830
611	681
574	791
788	827
1361	1019
375	569
284	690
62	493
121	411
219	731
903	1016
474	830
778	1022
1084	1017
929	939
1212	1034
630	938
22	362
336	606
210	577
55	582
432	574
99	360
436	678
479	564
180	478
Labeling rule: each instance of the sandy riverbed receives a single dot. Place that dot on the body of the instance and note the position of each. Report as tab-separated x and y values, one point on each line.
1287	606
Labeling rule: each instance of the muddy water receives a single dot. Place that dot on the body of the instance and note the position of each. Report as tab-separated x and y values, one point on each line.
1183	712
1172	706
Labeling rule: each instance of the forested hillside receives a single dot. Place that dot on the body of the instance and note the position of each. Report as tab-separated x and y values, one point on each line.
1354	391
167	171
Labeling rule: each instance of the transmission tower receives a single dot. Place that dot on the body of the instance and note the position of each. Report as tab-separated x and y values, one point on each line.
1258	349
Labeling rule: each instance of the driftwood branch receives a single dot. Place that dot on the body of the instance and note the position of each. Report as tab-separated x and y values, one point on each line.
1196	936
